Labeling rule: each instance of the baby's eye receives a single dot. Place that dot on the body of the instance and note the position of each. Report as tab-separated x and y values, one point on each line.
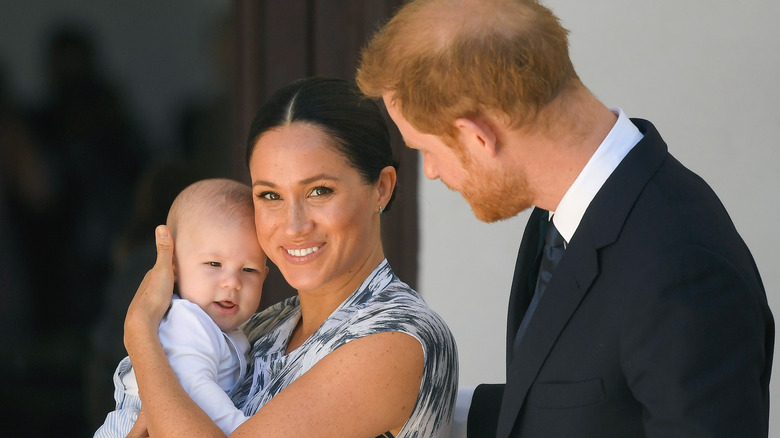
215	264
321	191
250	270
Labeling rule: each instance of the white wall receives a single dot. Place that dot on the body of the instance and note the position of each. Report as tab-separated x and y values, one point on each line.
706	73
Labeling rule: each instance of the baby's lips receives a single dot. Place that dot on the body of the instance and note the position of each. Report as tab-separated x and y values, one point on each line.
226	304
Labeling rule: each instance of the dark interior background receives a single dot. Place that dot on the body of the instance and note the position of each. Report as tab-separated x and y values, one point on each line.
107	110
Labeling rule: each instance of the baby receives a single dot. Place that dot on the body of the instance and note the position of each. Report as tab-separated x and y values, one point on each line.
219	272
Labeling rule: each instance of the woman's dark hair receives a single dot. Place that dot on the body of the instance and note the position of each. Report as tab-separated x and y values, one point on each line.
336	106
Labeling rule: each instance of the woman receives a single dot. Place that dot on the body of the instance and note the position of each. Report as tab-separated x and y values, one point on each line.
356	353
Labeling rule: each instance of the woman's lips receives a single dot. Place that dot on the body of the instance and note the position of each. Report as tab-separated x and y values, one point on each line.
302	253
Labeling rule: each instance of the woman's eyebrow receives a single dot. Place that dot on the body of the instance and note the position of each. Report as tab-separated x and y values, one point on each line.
322	176
262	183
318	178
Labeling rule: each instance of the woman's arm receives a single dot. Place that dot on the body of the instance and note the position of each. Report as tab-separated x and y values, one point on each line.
169	410
362	389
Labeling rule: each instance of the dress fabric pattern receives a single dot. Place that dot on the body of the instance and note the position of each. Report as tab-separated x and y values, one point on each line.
382	303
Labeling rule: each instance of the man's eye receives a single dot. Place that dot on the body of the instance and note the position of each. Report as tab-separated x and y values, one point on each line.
215	264
321	191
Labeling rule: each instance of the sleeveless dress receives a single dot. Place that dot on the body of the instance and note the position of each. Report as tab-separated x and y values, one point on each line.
382	303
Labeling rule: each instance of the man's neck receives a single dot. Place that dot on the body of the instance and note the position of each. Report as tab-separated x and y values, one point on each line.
553	156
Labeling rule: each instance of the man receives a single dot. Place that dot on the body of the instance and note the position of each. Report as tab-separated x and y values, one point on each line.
654	323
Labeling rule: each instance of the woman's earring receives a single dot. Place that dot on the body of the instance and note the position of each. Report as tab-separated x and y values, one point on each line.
380	210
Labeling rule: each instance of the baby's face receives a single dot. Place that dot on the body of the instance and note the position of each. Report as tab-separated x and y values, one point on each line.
221	268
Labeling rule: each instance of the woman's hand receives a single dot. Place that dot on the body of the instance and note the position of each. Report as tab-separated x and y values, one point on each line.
139	427
154	294
169	410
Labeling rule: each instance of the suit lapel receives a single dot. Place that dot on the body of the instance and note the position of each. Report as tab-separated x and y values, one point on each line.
600	226
525	266
573	276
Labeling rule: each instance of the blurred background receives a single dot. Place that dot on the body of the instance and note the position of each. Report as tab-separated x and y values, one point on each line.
108	109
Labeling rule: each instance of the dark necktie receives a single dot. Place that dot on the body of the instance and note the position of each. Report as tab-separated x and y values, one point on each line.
551	255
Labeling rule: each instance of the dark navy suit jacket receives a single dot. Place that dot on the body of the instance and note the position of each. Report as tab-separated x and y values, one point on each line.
655	322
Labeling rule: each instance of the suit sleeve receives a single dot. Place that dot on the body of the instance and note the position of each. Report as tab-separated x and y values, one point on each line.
483	414
694	345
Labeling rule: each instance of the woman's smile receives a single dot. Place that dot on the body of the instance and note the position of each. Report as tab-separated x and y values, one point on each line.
303	252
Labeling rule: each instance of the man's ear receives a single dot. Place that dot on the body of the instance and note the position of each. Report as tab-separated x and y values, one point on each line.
478	135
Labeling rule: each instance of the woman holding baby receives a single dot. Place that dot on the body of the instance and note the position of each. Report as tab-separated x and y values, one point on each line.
357	353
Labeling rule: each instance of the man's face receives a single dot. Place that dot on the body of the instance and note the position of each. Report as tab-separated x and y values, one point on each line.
439	159
493	192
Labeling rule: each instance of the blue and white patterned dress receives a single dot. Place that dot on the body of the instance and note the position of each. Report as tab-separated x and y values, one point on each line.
382	303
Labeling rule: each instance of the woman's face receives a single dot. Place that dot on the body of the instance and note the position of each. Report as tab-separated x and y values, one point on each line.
316	217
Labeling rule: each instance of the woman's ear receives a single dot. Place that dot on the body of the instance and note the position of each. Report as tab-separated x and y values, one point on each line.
385	186
478	135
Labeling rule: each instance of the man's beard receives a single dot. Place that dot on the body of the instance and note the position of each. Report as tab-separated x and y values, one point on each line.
494	197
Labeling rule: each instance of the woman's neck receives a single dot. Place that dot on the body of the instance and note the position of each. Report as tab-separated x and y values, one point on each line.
318	305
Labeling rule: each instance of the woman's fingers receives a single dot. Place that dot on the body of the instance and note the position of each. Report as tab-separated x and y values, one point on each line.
164	243
157	286
154	294
161	277
160	286
139	428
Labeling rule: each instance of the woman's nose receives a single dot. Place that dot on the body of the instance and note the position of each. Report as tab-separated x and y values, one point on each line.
298	220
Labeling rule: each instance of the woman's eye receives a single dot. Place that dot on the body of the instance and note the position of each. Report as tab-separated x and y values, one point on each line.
215	264
321	191
269	196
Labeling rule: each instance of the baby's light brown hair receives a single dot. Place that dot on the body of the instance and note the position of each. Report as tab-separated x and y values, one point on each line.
219	199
